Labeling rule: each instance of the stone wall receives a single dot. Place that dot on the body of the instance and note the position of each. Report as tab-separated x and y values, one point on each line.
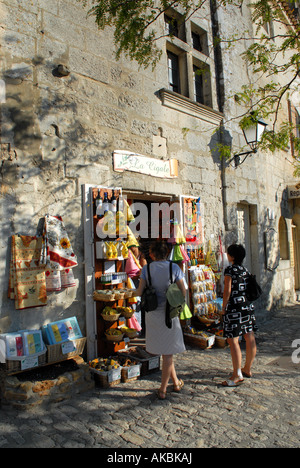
27	394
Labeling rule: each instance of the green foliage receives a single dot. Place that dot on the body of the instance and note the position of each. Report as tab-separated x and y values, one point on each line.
224	151
134	23
136	32
267	100
131	20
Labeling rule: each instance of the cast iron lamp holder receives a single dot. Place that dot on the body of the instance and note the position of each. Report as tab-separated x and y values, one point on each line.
252	135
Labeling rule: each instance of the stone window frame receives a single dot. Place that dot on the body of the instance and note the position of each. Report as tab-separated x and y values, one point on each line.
188	58
197	31
173	72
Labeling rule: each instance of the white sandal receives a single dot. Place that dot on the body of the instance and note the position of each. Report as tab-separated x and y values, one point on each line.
232	383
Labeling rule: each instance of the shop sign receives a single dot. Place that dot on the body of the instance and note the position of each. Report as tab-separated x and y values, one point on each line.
127	161
294	191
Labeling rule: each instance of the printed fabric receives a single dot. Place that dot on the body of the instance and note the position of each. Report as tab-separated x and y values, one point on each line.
239	318
57	250
27	283
57	255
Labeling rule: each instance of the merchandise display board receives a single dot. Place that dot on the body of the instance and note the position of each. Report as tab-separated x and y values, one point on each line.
111	294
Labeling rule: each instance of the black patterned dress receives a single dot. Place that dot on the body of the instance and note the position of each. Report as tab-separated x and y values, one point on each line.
239	317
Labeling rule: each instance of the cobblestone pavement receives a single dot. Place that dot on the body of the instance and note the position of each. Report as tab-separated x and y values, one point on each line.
263	412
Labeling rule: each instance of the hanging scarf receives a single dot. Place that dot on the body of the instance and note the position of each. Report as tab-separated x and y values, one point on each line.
57	250
57	255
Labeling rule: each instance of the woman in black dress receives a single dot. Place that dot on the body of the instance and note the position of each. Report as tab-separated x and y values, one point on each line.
238	312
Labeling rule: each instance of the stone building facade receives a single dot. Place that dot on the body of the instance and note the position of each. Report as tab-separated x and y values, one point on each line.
67	105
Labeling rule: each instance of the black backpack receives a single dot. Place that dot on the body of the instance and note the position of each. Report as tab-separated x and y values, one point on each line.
149	297
253	289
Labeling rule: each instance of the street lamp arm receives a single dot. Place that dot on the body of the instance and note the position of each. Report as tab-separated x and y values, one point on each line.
236	157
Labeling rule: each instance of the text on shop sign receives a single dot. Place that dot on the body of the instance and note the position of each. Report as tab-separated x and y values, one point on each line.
127	161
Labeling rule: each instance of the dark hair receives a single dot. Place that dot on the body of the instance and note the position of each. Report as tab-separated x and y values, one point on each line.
159	249
238	252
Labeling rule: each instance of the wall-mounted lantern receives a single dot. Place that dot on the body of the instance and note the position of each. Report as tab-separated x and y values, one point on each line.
253	135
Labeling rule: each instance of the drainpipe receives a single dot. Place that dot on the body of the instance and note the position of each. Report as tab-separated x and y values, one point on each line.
220	88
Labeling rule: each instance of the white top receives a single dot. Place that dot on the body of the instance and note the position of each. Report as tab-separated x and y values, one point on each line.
160	277
159	338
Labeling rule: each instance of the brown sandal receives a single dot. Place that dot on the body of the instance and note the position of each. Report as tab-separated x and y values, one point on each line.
161	395
178	387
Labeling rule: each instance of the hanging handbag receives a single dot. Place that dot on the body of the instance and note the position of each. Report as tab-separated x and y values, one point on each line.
149	297
175	301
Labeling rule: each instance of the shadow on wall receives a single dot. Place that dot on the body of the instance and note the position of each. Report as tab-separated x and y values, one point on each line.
219	140
33	184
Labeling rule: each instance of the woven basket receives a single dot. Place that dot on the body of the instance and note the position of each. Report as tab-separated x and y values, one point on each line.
129	293
15	365
97	296
130	334
115	338
206	320
119	295
110	318
127	314
129	374
55	353
107	379
221	341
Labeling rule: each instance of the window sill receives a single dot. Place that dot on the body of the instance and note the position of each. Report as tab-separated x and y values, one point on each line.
186	105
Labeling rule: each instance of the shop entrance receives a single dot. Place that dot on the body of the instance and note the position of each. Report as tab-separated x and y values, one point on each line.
248	235
296	248
153	215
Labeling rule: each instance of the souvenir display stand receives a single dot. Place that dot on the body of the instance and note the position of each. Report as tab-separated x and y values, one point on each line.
204	330
203	327
206	307
40	265
110	302
110	294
